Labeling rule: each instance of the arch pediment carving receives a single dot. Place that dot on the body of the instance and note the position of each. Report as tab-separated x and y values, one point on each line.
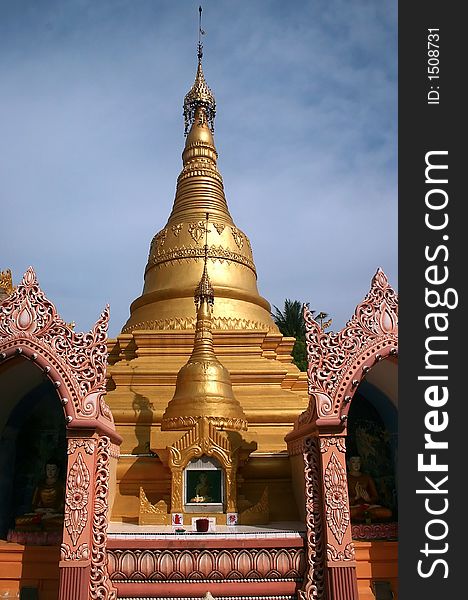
30	325
338	361
206	439
203	439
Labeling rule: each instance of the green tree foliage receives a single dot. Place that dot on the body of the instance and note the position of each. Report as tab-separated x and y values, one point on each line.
290	322
299	354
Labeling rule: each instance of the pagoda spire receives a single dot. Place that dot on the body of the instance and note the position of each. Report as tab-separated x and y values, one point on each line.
199	95
171	271
199	185
203	386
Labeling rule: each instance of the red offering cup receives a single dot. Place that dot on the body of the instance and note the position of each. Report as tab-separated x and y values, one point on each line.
202	525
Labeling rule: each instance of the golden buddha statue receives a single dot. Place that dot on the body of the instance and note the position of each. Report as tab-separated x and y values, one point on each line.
363	495
202	489
47	503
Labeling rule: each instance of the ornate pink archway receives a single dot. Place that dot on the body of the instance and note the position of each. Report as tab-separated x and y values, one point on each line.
337	363
76	364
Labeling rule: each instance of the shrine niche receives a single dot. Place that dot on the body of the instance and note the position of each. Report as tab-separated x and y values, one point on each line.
373	438
32	436
204	485
340	364
203	464
57	437
40	464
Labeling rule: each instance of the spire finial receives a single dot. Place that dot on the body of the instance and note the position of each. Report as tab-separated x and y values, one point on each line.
204	290
200	33
200	94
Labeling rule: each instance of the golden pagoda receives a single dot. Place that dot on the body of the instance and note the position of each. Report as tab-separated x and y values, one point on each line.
164	375
177	250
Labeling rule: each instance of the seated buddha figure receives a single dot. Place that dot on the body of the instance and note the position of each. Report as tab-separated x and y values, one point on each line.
47	503
363	496
202	489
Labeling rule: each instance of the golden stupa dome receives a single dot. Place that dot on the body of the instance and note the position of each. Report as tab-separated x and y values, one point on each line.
176	252
203	386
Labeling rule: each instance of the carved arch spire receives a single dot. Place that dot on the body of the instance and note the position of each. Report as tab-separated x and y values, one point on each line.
338	361
30	325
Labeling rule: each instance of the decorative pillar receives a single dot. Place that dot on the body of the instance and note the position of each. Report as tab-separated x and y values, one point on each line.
314	581
100	585
177	491
331	566
83	565
231	487
340	556
76	548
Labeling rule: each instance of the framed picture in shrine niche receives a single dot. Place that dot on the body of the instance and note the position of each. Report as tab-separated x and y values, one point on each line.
203	486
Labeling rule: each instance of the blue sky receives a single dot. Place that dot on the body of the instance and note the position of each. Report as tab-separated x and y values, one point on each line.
91	97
